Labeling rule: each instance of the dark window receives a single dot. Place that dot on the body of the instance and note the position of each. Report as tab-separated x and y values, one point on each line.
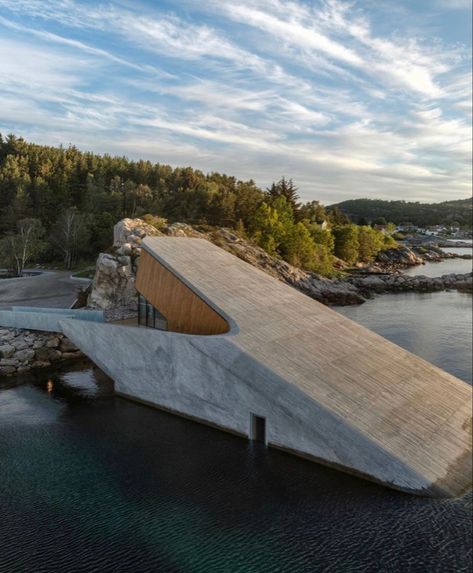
258	428
150	316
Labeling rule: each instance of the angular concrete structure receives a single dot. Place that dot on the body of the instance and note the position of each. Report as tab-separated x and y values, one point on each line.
251	355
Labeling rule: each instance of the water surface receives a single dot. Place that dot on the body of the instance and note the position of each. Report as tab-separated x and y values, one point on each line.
93	483
444	267
436	326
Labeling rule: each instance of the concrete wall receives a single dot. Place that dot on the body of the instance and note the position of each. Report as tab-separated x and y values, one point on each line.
31	320
45	319
211	379
93	315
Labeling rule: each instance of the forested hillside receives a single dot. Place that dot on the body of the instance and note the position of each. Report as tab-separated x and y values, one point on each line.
455	213
61	203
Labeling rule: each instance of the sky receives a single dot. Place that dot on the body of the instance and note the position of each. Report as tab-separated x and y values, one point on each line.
367	98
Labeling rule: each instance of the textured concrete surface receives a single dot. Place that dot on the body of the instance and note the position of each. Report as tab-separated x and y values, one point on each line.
328	388
48	320
50	289
85	314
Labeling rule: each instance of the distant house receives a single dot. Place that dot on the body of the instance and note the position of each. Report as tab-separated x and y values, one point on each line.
407	227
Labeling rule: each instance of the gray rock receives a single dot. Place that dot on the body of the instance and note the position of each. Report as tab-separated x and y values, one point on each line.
124	260
113	284
125	250
40	364
6	351
20	344
7	370
9	362
47	354
10	335
25	355
67	346
23	369
72	355
52	342
126	227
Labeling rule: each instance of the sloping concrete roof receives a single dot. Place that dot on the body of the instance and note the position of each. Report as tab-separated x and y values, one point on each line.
417	414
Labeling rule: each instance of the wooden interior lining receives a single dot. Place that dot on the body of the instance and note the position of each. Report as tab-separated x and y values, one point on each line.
184	310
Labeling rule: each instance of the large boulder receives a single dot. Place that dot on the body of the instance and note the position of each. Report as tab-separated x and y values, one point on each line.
113	284
401	256
7	350
131	231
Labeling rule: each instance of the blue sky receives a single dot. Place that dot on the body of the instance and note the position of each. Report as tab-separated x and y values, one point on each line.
368	98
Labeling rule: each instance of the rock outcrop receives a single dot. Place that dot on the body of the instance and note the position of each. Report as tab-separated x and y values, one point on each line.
327	291
113	285
399	257
403	283
412	255
25	350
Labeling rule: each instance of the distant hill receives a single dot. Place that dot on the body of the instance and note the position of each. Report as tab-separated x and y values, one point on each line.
422	214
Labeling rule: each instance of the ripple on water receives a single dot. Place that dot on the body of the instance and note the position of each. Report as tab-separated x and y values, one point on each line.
102	484
436	326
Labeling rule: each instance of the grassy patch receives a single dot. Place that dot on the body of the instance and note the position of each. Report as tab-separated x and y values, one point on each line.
87	273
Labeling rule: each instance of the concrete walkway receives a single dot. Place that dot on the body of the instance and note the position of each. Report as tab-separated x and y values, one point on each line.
53	289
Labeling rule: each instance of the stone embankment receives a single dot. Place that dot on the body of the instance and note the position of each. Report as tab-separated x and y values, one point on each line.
408	256
25	350
380	283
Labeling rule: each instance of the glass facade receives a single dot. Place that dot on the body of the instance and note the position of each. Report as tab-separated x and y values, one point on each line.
150	316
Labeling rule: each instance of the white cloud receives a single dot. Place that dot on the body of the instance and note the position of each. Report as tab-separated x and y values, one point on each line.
257	88
455	4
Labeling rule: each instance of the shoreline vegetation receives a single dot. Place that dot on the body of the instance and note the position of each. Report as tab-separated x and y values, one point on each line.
113	282
62	203
112	288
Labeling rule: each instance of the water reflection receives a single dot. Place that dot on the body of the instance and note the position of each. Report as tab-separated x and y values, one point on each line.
436	326
107	485
445	267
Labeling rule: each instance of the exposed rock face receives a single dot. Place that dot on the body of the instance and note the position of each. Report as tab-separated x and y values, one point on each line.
403	283
25	350
113	284
130	232
399	257
320	288
407	256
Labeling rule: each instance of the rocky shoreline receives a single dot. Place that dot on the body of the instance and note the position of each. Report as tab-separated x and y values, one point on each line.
22	351
392	283
113	284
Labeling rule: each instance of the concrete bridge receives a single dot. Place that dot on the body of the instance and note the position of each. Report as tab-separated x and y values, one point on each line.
251	355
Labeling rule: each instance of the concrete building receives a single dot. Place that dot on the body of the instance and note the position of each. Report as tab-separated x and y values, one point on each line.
228	345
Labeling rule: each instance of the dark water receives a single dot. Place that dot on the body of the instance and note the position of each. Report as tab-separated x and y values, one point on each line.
436	326
93	483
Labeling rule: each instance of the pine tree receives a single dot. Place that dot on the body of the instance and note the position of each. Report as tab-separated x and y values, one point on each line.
285	189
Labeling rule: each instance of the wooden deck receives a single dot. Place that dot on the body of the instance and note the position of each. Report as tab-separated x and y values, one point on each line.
406	407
